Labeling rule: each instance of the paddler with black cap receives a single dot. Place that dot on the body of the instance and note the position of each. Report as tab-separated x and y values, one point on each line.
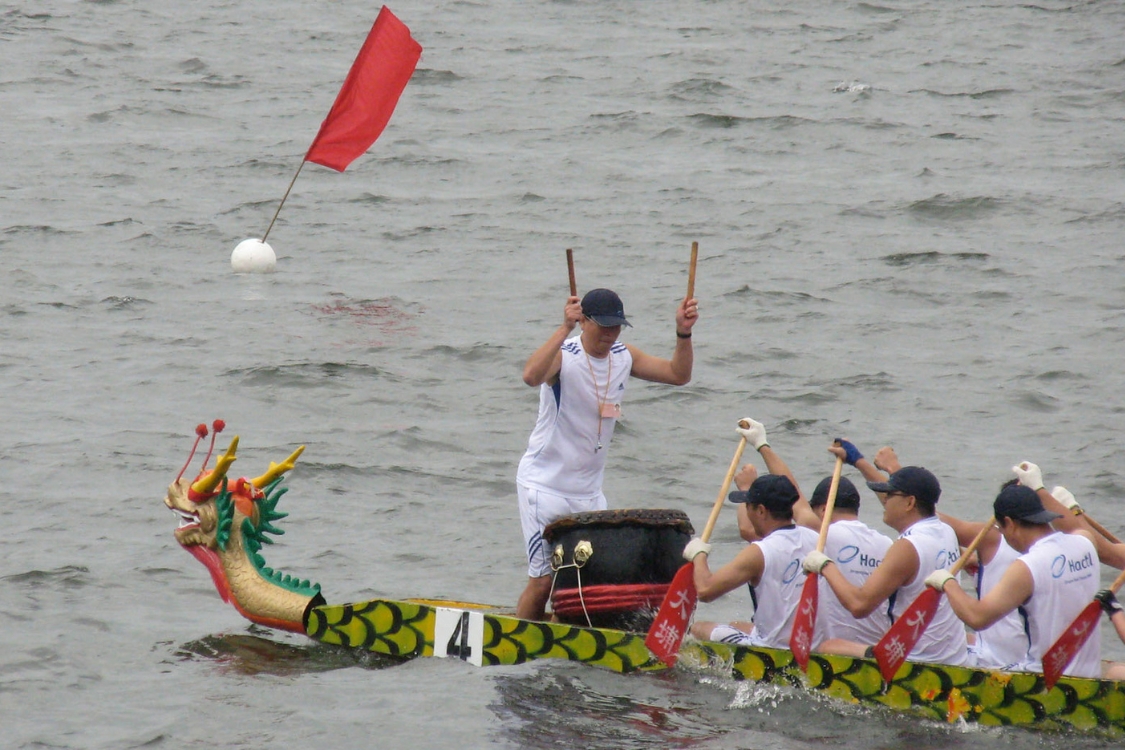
581	382
925	544
1051	582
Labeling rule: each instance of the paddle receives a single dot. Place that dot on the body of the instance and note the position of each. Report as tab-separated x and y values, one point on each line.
1106	533
670	625
804	624
1077	509
897	643
691	270
1062	651
570	269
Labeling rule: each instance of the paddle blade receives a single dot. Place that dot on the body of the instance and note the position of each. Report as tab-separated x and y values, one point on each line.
671	623
897	643
804	623
1062	651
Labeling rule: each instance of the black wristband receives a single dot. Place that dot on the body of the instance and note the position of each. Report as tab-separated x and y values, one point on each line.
683	335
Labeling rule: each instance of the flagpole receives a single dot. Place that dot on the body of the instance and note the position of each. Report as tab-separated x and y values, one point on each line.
278	211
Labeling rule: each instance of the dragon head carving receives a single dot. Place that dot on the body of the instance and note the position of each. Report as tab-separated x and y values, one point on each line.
224	524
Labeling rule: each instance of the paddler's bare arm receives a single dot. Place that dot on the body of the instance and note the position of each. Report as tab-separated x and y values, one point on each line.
886	460
802	513
1073	520
967	531
866	468
745	568
899	566
545	363
675	371
1014	588
743	479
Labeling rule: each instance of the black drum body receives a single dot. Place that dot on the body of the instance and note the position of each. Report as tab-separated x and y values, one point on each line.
613	567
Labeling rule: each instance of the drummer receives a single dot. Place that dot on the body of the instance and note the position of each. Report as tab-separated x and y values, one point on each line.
581	380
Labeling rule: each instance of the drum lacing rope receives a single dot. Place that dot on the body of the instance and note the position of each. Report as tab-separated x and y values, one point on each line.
583	551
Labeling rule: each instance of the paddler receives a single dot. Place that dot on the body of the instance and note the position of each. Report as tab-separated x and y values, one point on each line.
1052	581
856	547
771	566
769	507
1005	642
925	544
1116	615
581	382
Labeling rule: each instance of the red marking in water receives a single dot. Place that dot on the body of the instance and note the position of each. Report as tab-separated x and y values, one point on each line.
386	317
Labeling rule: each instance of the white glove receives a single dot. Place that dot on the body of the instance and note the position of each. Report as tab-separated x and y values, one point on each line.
1066	497
815	561
696	547
1029	474
939	578
755	434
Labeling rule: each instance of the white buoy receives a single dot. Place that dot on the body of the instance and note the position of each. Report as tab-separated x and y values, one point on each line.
253	256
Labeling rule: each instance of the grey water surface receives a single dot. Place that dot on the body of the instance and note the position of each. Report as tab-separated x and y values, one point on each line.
910	217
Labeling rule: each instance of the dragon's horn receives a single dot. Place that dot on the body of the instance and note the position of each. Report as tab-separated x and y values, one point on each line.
207	484
277	470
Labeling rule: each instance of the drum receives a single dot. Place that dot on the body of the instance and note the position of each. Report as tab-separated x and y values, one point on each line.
613	567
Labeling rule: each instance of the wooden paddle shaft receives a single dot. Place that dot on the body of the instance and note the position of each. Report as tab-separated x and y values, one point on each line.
1117	582
691	270
963	560
570	270
1099	528
830	504
726	484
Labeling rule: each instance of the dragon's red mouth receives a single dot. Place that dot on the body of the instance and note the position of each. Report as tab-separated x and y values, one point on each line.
207	556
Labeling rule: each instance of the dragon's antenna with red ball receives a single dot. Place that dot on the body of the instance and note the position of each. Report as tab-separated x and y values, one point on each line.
200	433
218	426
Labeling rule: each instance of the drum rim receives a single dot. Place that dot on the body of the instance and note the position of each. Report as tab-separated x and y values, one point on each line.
620	517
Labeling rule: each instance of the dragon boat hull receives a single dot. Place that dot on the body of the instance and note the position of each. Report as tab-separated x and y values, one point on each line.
224	524
483	636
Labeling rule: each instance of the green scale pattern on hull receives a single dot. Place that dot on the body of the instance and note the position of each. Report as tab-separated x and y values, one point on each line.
936	692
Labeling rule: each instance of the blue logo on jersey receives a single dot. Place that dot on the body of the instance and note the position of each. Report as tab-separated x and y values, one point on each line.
791	572
847	554
1077	566
1058	566
945	558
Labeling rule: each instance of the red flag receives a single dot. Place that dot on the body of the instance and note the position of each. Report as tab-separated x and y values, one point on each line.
1062	651
369	94
671	623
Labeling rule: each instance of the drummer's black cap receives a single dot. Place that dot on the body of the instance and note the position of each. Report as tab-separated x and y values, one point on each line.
774	491
1023	504
847	496
605	308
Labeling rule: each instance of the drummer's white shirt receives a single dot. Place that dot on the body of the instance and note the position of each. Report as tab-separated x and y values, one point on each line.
562	456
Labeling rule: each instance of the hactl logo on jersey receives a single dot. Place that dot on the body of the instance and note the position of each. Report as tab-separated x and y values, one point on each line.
851	552
946	557
1060	565
791	572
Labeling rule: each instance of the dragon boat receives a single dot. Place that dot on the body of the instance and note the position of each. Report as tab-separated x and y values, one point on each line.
224	524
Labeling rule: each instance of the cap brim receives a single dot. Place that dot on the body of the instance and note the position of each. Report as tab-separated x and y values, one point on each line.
608	321
1043	516
739	496
881	486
